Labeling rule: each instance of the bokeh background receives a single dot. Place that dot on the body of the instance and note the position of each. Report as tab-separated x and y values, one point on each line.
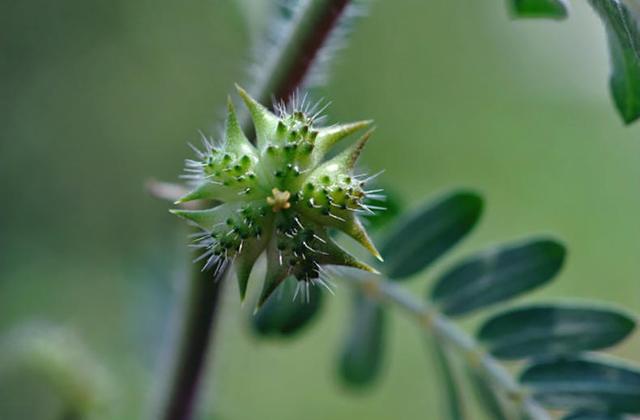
98	96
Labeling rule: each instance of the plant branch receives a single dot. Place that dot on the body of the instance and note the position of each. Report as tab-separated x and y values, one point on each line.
285	71
199	310
441	327
288	65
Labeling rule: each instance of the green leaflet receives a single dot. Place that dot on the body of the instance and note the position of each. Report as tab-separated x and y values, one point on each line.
284	316
589	383
621	24
592	415
453	405
486	396
497	275
430	232
541	330
361	357
554	9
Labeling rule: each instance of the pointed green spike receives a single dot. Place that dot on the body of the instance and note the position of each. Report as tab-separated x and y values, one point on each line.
351	155
327	137
207	191
348	224
206	219
236	140
345	161
276	273
335	255
243	266
264	121
354	228
245	261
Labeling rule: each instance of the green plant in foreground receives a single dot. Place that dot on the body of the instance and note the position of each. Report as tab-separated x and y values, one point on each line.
280	197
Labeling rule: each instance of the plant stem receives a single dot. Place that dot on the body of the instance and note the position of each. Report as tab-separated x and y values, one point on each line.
285	71
304	36
199	316
443	328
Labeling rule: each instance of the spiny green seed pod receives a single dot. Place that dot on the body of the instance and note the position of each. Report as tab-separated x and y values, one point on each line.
280	196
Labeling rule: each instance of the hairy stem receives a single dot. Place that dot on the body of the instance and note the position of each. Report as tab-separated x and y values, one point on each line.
444	329
279	78
199	310
305	35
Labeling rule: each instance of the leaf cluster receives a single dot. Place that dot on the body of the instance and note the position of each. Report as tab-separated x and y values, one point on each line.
551	344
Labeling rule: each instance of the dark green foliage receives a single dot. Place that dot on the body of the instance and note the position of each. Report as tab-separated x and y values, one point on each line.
592	415
430	232
555	9
497	275
283	316
486	396
452	404
542	330
361	357
588	383
621	23
554	335
620	20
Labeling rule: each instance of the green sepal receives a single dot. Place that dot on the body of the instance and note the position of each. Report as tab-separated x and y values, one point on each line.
207	190
275	275
207	219
329	253
344	162
264	121
236	141
349	225
244	261
333	254
329	136
354	229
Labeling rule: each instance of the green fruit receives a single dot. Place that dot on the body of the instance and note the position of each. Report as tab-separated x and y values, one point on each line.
278	197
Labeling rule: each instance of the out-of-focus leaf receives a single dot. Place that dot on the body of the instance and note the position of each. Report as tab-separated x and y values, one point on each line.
283	316
592	415
587	383
453	403
486	396
554	9
42	367
361	357
542	330
430	232
393	207
497	275
621	23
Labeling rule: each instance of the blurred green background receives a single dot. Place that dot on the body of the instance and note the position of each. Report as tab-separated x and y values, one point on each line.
98	96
